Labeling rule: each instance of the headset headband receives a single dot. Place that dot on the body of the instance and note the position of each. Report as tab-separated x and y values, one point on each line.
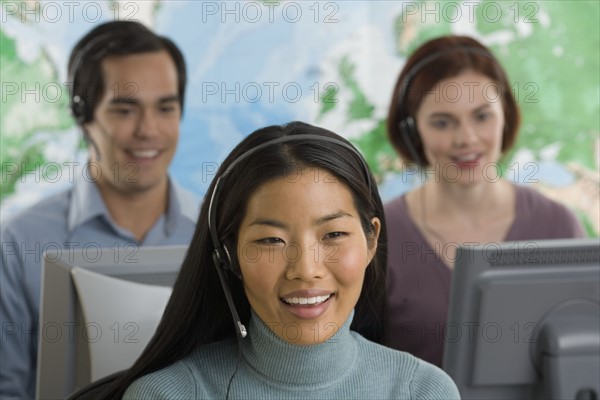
427	60
212	212
406	123
78	107
221	257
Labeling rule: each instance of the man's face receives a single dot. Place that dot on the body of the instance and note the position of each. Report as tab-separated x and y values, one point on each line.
136	122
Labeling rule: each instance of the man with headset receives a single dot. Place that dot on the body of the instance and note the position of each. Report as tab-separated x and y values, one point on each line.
127	93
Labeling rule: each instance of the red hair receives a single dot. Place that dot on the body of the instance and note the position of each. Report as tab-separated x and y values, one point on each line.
435	61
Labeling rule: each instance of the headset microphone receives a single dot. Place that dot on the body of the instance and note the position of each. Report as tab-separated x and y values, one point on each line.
88	138
240	328
222	261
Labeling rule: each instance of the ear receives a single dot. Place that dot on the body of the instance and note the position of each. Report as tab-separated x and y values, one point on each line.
373	237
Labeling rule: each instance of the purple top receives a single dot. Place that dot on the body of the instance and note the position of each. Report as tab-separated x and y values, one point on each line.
418	281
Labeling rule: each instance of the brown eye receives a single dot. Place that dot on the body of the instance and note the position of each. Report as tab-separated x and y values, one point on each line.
270	241
335	235
122	110
484	116
168	109
440	124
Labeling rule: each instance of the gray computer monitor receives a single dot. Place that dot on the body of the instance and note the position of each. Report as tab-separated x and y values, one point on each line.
524	321
76	286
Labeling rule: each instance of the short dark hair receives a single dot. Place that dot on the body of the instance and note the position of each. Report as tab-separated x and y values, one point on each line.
448	56
197	312
116	38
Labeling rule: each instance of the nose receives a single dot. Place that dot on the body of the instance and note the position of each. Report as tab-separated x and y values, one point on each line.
465	134
304	262
148	124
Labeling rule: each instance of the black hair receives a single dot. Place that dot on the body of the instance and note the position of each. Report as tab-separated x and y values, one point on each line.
197	312
113	39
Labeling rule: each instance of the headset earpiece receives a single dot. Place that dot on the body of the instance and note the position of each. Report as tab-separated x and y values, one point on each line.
408	128
230	263
411	138
94	49
78	110
222	258
226	261
407	125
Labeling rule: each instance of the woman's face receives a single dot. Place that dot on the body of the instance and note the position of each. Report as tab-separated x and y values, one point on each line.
461	122
303	255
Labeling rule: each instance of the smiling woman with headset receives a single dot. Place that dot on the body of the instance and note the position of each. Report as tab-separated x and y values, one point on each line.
453	114
292	248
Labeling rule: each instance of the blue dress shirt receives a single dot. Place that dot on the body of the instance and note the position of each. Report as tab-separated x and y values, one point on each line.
76	218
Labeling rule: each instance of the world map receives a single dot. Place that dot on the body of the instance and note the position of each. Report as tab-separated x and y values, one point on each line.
330	63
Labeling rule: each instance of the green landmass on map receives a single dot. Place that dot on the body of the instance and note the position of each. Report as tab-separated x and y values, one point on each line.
36	102
552	72
552	62
555	76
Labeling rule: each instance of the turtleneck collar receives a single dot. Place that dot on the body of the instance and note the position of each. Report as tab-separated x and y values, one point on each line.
289	364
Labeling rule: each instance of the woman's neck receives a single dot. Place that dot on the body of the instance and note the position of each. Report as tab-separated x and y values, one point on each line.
470	203
449	215
288	363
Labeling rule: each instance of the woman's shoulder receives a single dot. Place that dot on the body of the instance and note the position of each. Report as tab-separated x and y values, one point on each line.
173	382
186	378
418	378
431	382
212	355
397	216
536	201
395	205
552	218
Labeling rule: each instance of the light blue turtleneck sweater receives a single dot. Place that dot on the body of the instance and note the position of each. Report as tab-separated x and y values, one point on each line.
347	366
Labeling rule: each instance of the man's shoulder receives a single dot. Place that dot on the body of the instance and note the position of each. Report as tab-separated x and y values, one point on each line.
49	210
189	202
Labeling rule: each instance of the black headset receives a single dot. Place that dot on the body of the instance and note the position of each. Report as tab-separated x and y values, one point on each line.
407	124
79	110
221	255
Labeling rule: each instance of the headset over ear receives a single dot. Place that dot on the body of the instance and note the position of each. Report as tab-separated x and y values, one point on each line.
223	259
407	124
95	49
411	138
78	110
77	104
222	254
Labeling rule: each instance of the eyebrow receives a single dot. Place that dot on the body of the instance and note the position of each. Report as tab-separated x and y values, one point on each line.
134	101
330	217
269	222
445	114
319	221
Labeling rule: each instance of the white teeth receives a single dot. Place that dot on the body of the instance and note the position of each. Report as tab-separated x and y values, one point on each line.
306	300
144	153
469	157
